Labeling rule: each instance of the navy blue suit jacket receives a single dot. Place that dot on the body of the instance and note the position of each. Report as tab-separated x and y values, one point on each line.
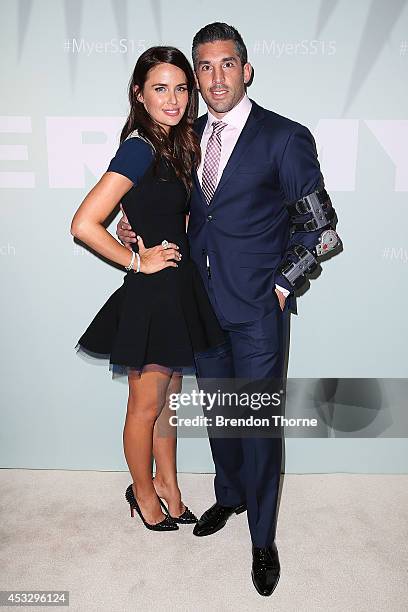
246	228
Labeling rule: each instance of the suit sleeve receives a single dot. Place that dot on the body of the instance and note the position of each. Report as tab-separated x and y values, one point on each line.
299	175
132	159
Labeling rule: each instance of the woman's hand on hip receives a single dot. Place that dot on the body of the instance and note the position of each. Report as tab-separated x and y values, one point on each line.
158	257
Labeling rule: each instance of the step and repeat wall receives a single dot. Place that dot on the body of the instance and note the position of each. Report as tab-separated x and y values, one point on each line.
339	68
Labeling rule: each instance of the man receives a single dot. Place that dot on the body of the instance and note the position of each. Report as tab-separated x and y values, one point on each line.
249	230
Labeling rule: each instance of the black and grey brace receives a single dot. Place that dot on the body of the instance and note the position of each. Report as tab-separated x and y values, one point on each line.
312	212
308	214
298	262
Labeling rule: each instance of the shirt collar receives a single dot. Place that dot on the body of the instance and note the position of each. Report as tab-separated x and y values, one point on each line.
236	117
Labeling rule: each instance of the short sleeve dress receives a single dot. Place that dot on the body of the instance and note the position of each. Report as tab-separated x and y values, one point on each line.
153	321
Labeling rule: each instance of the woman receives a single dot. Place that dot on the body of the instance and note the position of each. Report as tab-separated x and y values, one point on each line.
154	323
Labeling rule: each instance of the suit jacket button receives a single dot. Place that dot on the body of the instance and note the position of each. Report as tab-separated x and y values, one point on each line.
209	218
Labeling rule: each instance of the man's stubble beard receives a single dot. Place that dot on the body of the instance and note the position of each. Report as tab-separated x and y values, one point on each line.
225	106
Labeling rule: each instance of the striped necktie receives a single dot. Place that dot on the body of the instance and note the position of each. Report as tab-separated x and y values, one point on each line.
212	161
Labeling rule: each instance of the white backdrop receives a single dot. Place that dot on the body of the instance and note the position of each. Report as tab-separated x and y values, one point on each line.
338	67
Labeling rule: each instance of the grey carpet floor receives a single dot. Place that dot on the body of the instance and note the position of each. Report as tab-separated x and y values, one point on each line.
342	540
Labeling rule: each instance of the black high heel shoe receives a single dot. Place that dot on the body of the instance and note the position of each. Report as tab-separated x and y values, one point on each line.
184	519
167	524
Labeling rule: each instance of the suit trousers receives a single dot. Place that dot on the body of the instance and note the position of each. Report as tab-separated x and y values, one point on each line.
248	468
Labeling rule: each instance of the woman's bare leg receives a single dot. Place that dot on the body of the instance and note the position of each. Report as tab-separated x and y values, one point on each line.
164	452
147	395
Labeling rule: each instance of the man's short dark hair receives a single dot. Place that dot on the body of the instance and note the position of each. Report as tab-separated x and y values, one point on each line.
219	31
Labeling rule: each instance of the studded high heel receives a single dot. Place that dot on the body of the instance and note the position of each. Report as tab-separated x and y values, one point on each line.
184	519
167	524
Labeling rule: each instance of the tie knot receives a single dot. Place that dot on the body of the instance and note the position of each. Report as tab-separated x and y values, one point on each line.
218	126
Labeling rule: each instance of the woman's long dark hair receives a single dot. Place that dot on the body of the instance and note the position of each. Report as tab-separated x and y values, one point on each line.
180	147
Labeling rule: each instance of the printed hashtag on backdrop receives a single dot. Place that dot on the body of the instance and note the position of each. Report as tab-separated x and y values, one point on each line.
257	46
396	253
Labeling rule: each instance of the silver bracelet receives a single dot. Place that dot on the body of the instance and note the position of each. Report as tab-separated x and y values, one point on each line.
138	264
130	266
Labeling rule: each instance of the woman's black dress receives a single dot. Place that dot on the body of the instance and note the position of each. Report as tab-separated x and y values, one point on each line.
154	321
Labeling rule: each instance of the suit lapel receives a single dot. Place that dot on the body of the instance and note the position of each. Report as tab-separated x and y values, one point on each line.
199	126
198	186
249	132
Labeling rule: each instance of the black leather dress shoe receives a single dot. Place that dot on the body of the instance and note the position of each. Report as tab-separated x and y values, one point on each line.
215	519
265	569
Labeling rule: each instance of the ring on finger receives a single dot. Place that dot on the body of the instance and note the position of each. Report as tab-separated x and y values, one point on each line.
165	244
